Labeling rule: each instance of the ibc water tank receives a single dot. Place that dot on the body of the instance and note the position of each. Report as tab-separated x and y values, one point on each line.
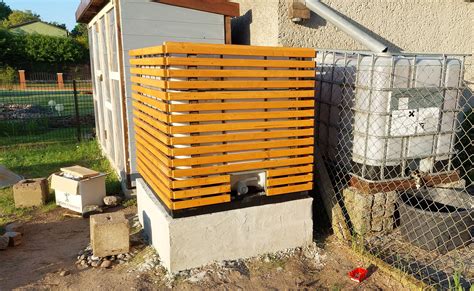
397	113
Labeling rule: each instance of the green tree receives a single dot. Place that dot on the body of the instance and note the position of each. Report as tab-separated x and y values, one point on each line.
18	17
4	11
80	33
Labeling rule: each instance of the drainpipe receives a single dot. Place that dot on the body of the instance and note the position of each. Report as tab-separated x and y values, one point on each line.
353	31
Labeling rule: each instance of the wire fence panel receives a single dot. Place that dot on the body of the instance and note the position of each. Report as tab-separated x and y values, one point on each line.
45	111
396	135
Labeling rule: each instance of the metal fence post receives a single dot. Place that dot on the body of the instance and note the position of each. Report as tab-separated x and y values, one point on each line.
76	107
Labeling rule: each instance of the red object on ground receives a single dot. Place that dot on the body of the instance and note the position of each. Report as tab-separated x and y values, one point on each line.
358	274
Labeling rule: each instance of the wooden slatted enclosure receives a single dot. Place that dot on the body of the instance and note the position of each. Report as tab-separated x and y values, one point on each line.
205	112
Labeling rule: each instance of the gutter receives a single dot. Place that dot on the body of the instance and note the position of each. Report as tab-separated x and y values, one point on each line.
353	31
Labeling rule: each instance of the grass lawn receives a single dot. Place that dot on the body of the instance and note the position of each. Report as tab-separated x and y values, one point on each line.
42	160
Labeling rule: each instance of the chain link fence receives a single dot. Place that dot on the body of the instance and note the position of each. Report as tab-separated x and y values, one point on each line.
396	136
45	111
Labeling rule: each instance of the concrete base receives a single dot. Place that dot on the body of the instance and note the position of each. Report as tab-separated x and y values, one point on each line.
189	242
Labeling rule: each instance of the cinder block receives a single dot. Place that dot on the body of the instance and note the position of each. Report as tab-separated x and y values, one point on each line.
110	234
190	242
30	192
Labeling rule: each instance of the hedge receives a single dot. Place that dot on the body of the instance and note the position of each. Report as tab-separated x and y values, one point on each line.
16	49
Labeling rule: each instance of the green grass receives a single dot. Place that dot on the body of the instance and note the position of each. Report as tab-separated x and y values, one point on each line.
43	160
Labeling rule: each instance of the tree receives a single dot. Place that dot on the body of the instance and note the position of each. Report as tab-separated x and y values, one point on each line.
80	33
4	11
57	24
79	30
18	17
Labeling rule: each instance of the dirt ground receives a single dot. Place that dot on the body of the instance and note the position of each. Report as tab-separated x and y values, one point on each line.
51	243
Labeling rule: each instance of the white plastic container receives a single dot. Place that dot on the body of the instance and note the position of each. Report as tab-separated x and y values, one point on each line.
384	116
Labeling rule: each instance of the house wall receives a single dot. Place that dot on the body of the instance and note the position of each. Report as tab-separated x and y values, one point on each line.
409	25
145	24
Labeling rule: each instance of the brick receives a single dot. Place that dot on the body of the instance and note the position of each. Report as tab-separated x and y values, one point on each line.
110	234
15	238
30	192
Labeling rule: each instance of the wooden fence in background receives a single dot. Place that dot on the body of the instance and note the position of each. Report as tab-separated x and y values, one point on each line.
203	112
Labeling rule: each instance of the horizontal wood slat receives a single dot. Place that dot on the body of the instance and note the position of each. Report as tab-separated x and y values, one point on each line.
204	113
223	73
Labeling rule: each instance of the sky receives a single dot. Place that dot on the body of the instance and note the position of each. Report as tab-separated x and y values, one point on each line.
61	11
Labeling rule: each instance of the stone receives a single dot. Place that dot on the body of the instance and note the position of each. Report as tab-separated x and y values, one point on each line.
106	264
112	200
4	241
14	238
96	264
64	273
15	227
109	234
91	210
30	192
377	224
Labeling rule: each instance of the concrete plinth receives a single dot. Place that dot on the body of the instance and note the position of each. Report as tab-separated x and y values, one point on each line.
189	242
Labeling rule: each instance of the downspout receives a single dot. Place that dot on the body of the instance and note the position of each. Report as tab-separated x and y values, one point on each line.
353	31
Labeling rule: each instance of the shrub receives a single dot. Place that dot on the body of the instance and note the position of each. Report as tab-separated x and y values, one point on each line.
7	76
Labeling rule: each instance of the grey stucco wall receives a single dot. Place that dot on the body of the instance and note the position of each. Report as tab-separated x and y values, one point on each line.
408	25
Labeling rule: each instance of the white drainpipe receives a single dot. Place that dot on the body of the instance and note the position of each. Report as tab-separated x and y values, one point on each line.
353	31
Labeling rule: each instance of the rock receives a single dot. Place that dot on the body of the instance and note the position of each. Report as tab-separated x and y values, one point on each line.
96	264
64	273
15	238
91	210
112	200
106	264
14	227
4	241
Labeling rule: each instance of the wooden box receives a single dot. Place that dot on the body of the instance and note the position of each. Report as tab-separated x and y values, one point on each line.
205	112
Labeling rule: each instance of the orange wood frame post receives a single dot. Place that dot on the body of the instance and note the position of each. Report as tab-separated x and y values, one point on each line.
60	81
22	77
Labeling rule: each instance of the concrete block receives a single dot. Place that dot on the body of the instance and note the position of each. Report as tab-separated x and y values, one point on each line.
189	242
110	234
30	192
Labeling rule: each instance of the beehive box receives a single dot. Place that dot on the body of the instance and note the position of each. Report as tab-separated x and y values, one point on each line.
204	113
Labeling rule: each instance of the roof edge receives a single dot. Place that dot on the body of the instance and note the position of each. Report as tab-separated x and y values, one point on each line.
87	9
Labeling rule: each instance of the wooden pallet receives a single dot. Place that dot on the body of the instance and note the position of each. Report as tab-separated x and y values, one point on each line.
372	187
204	111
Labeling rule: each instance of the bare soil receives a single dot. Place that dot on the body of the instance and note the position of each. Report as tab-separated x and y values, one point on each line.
51	243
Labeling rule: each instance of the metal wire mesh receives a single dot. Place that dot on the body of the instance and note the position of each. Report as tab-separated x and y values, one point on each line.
45	111
396	135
